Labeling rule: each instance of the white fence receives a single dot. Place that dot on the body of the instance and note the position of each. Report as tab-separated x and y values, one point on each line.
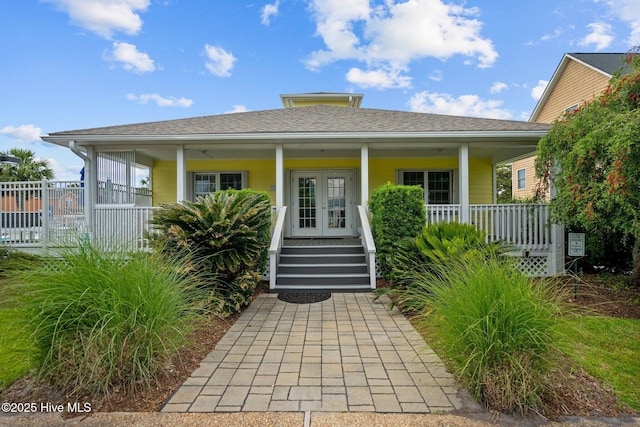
48	213
123	227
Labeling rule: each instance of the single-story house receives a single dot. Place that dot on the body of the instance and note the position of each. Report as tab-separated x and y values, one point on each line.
319	158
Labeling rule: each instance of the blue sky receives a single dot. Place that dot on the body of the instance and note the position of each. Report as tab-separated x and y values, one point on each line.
73	64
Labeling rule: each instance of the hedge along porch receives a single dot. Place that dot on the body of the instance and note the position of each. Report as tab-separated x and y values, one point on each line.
320	161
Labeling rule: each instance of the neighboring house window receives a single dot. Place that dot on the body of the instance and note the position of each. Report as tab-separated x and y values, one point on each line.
210	182
522	179
438	185
572	108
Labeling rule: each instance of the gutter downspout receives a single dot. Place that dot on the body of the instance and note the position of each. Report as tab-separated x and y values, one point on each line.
90	178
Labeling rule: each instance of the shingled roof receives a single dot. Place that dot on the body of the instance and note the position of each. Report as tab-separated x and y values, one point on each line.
312	119
609	63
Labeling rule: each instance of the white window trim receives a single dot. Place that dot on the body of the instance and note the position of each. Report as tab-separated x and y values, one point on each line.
571	108
453	184
524	187
192	179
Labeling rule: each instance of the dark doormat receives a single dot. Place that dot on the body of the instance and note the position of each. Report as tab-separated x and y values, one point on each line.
303	297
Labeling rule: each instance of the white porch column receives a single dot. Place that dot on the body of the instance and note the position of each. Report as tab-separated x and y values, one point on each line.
279	177
495	183
555	262
90	188
463	167
181	161
364	175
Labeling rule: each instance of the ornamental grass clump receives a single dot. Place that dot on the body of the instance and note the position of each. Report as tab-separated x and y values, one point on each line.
104	321
494	324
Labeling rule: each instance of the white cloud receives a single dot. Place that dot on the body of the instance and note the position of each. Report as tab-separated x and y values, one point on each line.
464	105
26	133
237	108
268	11
160	101
65	171
498	87
393	34
105	17
219	61
379	79
600	36
628	11
538	90
130	58
436	76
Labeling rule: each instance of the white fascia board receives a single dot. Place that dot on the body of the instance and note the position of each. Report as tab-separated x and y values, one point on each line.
297	137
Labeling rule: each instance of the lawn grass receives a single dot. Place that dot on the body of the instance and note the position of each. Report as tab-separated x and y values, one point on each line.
14	347
607	348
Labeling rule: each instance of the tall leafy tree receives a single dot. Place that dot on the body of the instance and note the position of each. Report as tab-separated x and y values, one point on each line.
592	158
503	183
29	169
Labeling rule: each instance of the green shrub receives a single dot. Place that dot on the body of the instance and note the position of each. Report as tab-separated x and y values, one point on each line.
226	236
494	324
438	243
397	213
106	320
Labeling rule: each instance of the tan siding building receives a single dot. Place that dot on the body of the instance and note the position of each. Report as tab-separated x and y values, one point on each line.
579	78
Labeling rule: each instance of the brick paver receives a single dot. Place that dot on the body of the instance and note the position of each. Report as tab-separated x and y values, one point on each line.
348	353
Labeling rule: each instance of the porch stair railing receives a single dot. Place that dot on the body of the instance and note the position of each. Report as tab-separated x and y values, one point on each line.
276	246
368	244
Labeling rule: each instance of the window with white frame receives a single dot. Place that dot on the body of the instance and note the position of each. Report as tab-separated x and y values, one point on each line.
209	182
571	108
522	179
437	184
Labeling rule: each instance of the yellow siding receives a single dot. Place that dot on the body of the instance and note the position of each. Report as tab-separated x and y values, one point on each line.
262	173
163	178
578	83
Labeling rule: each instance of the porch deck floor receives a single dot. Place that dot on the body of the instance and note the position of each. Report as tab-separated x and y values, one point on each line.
347	353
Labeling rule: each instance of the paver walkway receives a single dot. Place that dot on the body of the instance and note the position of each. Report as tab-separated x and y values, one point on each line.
347	353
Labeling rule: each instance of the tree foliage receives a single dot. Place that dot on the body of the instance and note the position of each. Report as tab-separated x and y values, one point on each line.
503	183
592	158
29	169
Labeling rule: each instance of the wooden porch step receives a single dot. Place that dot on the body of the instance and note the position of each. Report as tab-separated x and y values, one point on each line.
317	268
329	249
308	267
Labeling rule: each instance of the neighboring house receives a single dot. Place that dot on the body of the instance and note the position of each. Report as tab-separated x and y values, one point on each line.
579	78
320	156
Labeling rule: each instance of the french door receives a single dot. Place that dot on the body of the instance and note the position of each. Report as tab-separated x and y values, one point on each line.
322	203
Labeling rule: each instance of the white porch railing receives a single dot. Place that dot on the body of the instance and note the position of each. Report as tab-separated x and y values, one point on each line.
368	245
276	245
525	226
125	227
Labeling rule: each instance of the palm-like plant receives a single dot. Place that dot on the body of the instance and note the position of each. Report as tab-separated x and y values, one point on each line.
29	168
226	234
